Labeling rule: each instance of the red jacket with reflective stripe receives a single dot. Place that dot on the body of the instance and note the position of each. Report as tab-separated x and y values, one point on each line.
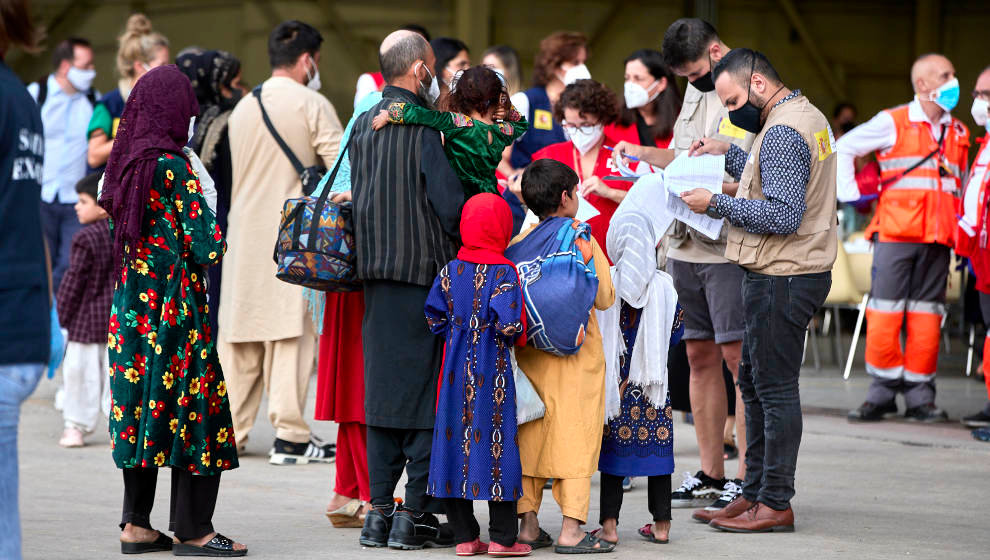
921	206
976	246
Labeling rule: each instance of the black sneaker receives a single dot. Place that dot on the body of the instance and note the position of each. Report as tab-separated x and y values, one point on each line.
377	526
870	412
414	531
697	490
928	413
291	453
731	490
979	420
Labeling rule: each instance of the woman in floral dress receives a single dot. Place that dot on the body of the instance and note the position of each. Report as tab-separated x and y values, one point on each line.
169	402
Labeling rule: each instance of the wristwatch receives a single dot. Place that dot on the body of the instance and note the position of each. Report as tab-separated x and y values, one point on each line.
711	212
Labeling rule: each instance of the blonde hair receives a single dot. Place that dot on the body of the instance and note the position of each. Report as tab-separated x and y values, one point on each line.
138	43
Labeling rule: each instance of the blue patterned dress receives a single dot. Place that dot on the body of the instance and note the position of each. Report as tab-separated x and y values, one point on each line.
475	455
640	441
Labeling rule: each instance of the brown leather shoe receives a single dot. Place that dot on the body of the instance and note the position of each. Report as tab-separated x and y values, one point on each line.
736	507
758	519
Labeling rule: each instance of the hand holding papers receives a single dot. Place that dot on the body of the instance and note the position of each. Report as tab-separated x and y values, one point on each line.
686	173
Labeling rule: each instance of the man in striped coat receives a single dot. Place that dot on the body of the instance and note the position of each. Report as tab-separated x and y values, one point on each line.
407	205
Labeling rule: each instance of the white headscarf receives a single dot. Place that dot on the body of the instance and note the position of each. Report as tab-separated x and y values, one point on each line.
637	282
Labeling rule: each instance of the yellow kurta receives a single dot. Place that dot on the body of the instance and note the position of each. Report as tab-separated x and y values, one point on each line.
254	305
565	443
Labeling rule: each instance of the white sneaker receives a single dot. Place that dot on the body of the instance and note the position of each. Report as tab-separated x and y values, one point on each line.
72	437
290	453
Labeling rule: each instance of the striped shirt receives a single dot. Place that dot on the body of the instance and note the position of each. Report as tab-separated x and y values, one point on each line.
407	200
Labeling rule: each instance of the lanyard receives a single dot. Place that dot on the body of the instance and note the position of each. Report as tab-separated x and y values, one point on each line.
577	163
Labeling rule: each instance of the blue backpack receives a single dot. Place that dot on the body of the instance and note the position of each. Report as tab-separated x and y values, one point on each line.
559	287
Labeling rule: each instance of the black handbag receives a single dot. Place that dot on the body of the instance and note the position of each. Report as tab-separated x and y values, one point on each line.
310	176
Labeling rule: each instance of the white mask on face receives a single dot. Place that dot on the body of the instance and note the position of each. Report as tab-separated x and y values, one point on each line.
575	73
638	96
192	128
979	111
313	82
434	90
582	140
80	79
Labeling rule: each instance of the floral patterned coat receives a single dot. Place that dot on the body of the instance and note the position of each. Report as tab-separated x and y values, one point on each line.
169	402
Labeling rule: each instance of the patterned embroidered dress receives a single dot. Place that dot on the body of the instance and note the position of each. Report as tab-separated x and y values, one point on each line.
168	396
640	441
474	148
475	455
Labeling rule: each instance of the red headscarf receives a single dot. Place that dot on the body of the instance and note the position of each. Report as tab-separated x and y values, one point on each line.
486	229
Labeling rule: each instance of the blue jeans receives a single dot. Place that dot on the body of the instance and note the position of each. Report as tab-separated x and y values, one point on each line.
17	382
59	223
778	310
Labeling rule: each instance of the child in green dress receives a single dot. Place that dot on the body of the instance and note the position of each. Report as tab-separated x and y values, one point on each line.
478	123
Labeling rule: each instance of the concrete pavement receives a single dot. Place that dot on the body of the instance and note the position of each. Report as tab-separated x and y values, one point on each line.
892	490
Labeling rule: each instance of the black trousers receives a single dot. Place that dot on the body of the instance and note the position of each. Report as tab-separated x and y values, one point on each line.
658	497
778	310
193	500
502	525
390	450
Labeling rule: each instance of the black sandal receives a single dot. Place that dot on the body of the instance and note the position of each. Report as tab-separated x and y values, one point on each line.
586	546
218	547
162	544
542	541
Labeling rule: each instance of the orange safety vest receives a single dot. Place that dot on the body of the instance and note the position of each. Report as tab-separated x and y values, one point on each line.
920	206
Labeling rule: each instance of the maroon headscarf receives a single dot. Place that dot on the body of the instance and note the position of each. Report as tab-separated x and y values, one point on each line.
155	120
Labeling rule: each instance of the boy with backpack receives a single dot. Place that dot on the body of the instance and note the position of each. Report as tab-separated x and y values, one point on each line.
84	300
572	385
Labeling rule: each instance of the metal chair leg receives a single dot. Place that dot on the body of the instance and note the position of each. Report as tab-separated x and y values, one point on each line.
855	337
837	337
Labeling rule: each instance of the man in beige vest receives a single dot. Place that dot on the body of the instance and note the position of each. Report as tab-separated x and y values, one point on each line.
783	233
708	285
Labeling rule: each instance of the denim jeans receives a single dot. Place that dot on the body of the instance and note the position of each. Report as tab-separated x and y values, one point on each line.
17	382
778	310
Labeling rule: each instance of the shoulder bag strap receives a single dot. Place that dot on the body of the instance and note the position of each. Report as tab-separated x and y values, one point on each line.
918	164
271	128
325	195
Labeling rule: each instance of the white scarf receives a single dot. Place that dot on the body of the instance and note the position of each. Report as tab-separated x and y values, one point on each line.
637	282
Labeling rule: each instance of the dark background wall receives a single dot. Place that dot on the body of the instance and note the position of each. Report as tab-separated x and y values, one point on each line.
834	50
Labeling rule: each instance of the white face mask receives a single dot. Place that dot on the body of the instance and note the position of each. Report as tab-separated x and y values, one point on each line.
80	79
979	111
583	140
313	82
192	128
575	73
434	90
638	96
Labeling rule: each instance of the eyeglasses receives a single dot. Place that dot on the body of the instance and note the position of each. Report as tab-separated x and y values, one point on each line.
981	94
583	128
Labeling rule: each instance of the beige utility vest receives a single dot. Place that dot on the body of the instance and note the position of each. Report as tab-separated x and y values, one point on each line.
693	124
812	248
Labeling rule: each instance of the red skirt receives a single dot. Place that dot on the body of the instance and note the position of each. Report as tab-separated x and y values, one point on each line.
340	370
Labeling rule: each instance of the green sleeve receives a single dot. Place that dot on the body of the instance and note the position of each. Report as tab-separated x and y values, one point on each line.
513	126
408	113
101	120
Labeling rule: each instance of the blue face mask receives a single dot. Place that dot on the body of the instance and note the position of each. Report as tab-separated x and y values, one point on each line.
946	95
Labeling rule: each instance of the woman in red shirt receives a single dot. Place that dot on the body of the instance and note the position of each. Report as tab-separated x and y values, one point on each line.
585	108
652	102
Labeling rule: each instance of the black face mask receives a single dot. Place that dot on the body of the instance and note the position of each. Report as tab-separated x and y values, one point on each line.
705	83
747	117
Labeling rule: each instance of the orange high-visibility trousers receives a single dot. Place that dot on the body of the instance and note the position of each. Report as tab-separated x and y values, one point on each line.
908	288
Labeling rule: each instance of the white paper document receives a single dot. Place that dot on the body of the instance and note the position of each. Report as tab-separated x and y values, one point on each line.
710	227
693	172
586	210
